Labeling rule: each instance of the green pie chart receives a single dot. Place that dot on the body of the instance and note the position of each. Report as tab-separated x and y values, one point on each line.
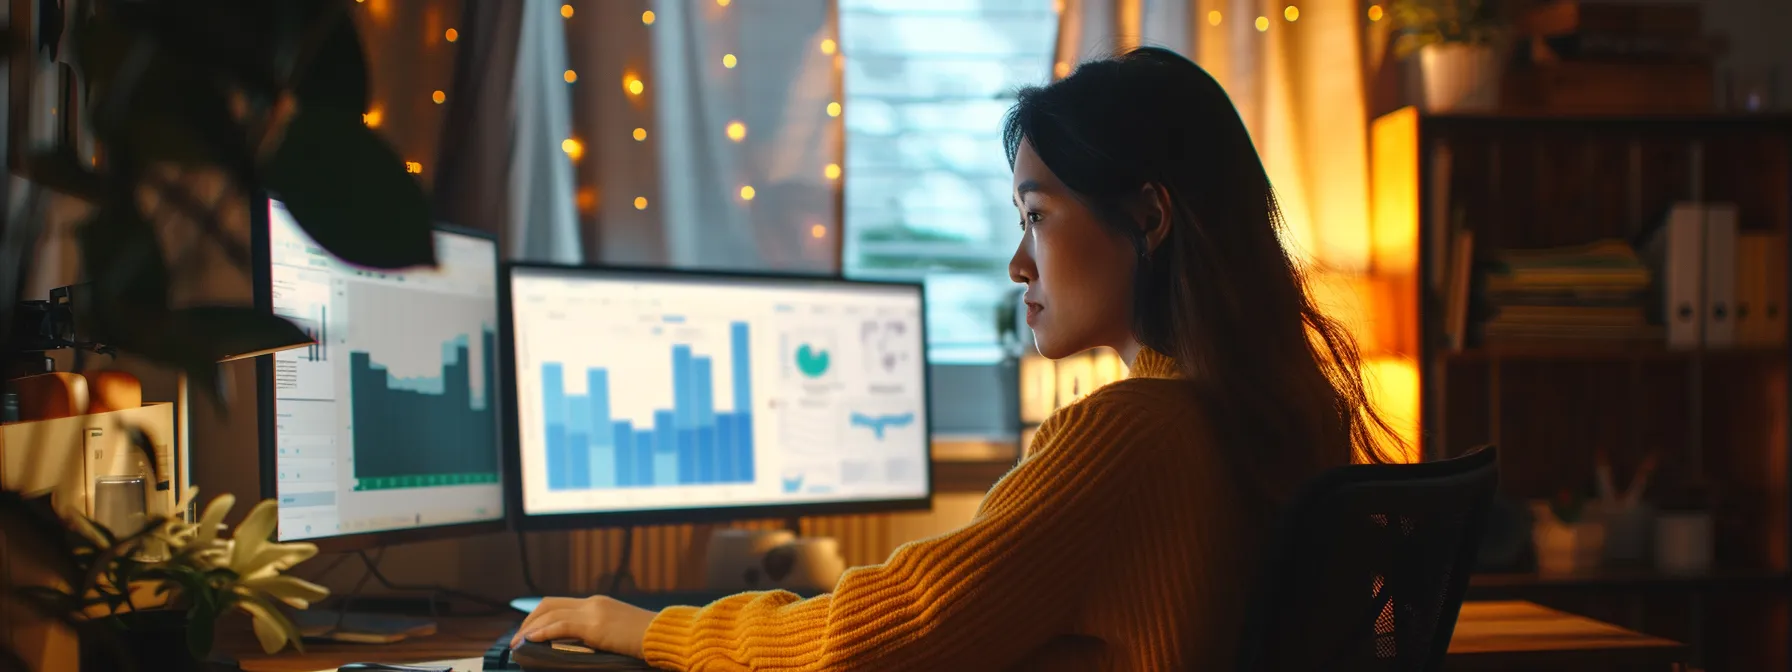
811	361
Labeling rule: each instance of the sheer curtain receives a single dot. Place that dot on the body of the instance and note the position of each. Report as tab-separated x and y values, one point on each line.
708	133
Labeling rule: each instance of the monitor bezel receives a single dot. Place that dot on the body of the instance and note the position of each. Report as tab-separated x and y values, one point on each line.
260	241
512	468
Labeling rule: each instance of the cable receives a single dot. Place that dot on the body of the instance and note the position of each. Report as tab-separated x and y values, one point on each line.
373	569
622	564
522	549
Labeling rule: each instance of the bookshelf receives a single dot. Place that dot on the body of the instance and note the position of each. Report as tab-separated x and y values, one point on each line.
1715	418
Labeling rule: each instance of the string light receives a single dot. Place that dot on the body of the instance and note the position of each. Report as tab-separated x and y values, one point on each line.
728	61
573	148
566	11
587	199
1292	13
737	131
633	84
372	117
413	167
1061	69
747	193
438	96
818	231
1374	12
570	76
723	3
828	46
640	134
1213	18
451	35
647	17
1262	23
833	109
640	202
832	172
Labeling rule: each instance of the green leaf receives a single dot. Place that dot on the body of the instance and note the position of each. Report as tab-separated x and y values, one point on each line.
202	625
228	332
350	192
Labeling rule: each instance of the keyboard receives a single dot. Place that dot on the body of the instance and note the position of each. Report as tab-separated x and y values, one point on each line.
563	656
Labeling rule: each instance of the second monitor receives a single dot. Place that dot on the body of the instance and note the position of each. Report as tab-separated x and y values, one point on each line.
652	396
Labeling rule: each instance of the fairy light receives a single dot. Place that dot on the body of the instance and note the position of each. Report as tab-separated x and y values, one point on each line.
413	167
1291	13
372	117
573	148
587	199
818	231
833	109
747	193
566	11
723	3
640	202
737	131
570	76
640	134
1213	18
647	17
831	172
633	84
451	35
1262	23
1374	12
728	61
828	46
438	96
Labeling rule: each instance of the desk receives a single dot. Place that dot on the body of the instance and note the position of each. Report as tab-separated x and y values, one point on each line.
1489	636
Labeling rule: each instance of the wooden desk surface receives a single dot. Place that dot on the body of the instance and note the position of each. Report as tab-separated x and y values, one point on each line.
1489	635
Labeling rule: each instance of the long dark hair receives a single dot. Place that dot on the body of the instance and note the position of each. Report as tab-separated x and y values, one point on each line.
1219	293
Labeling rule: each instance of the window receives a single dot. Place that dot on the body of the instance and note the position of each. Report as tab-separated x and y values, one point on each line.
927	83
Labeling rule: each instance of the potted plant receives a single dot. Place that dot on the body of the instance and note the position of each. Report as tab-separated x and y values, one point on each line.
1567	533
163	588
1457	42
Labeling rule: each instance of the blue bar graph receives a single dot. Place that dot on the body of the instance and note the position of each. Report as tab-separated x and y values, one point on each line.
687	443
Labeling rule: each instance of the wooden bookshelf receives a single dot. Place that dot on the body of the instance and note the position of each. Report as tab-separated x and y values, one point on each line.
1717	418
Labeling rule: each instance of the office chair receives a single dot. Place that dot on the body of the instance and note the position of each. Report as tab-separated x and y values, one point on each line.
1368	567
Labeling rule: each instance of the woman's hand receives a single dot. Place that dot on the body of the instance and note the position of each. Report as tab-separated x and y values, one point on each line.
599	622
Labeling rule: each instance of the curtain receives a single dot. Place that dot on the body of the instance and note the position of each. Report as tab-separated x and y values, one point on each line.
472	182
721	158
1294	71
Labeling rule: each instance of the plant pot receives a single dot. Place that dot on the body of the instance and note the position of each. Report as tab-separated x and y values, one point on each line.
1566	548
1460	77
143	640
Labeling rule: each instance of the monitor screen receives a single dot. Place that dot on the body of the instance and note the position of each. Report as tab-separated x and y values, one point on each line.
641	391
388	422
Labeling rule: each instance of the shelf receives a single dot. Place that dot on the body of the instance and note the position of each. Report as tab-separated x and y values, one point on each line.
1703	121
1603	351
973	476
1635	579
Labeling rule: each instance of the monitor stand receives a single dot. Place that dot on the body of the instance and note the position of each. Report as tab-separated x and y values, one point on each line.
655	601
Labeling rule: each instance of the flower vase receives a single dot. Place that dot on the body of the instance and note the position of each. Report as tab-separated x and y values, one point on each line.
1460	77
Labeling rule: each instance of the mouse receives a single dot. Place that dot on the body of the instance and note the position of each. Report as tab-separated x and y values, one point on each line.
563	655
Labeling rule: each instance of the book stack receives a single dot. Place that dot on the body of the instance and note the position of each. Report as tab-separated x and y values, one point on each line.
1596	292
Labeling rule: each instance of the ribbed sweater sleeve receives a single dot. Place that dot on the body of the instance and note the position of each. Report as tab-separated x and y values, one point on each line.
981	597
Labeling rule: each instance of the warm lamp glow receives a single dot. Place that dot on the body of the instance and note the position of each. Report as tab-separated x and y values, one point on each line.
1262	23
818	231
573	148
633	85
1213	18
1291	13
828	46
647	17
640	202
747	193
413	167
451	35
640	134
1394	198
1363	304
438	96
570	76
833	109
1374	12
587	199
728	61
723	3
566	11
737	131
1061	69
1393	387
372	117
832	172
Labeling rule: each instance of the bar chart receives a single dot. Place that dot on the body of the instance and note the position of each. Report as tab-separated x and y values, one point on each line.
684	441
423	431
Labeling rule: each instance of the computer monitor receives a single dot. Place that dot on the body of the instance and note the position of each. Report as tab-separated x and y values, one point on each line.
653	396
387	429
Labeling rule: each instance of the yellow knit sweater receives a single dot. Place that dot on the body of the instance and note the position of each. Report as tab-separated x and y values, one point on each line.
1116	544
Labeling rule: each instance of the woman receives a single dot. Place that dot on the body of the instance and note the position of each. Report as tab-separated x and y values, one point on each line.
1126	538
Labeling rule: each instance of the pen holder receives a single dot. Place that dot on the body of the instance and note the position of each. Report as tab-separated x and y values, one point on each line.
1566	548
1628	529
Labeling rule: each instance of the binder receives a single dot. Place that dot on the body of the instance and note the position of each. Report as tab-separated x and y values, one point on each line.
1720	275
1679	245
1751	286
